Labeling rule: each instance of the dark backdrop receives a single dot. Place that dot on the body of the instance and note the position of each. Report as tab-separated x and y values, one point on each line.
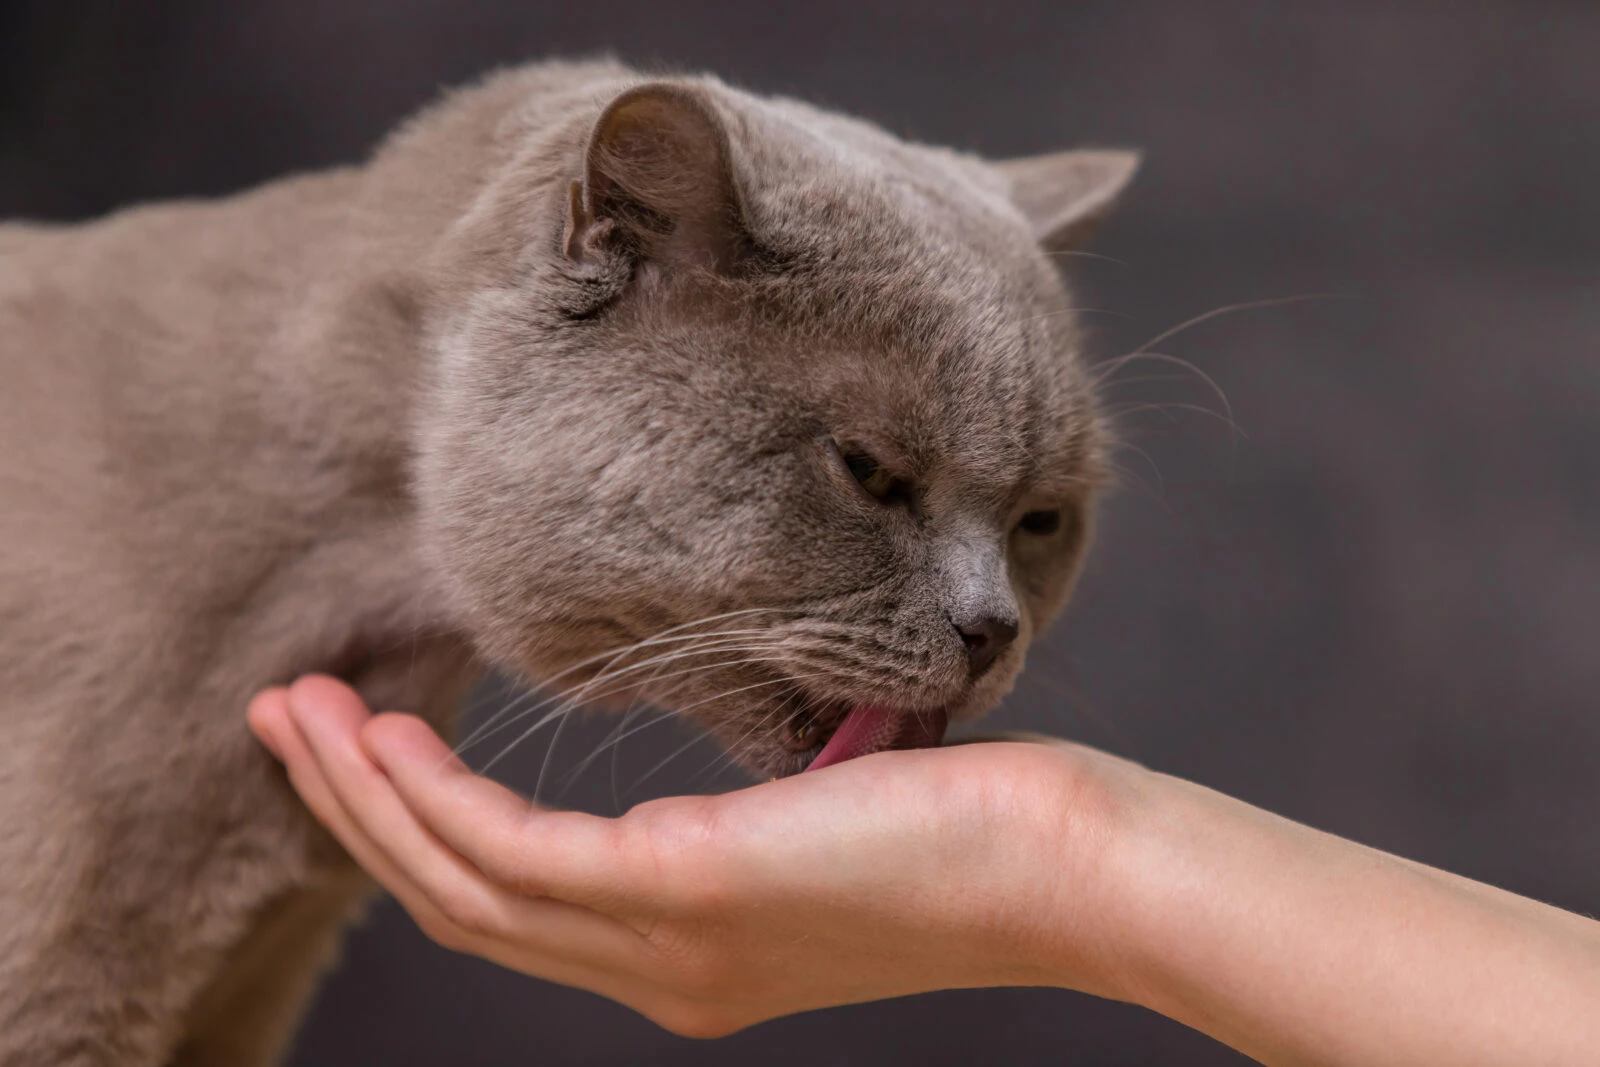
1371	609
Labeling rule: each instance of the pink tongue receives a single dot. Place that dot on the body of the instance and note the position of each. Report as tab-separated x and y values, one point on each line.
870	728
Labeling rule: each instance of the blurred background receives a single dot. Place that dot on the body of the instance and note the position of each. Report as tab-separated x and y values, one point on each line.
1370	604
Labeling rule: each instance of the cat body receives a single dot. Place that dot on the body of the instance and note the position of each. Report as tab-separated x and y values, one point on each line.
566	365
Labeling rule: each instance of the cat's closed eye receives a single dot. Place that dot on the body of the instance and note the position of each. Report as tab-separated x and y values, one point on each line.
1040	523
879	482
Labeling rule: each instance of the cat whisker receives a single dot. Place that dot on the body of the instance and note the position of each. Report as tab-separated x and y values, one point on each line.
1169	406
662	636
734	749
697	740
616	734
612	743
1076	311
1146	379
1076	254
1162	357
1144	350
576	701
1154	492
1229	309
658	637
571	705
623	721
575	695
722	642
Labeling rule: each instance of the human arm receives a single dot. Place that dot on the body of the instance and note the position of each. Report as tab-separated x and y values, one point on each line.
1003	864
1299	947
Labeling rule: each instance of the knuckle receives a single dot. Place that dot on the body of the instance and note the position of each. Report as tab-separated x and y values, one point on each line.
467	909
509	871
671	839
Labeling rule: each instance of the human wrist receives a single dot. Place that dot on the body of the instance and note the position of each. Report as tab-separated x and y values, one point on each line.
1087	804
1149	879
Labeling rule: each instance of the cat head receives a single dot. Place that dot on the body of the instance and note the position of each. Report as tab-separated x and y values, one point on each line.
763	415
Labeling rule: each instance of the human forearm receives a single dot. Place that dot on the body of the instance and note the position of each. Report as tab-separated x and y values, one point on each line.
1301	948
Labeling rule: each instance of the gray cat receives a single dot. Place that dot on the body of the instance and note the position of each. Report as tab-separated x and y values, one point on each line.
654	389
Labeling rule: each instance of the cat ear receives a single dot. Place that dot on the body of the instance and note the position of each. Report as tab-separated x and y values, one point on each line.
1066	195
658	183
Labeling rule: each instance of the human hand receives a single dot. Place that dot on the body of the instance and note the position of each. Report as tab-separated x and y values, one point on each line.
993	864
892	874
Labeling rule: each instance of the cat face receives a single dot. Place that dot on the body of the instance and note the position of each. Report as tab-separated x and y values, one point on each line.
775	416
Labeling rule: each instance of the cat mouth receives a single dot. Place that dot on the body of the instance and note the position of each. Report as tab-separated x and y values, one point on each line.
868	728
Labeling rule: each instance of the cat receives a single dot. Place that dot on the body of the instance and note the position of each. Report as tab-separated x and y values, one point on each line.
789	411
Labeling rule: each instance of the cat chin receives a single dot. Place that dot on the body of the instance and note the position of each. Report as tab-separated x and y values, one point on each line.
778	760
796	747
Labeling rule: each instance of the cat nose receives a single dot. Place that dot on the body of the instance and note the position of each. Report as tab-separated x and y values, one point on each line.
986	637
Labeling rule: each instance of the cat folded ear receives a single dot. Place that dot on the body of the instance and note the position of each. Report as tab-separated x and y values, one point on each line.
1066	195
658	184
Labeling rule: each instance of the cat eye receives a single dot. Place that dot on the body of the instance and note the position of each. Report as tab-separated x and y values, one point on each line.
879	482
1041	523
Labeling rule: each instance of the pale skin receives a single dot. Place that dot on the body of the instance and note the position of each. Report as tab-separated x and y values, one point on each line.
997	864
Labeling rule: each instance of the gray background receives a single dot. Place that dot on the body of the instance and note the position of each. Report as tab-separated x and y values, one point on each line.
1373	610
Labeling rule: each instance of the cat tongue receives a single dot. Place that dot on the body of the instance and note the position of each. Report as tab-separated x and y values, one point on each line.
870	728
